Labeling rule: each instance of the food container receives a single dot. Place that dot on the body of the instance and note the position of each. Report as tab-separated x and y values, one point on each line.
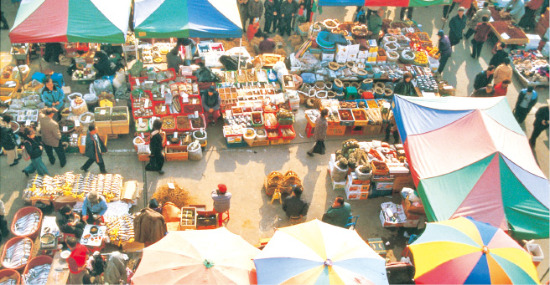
37	261
21	214
7	274
346	117
11	242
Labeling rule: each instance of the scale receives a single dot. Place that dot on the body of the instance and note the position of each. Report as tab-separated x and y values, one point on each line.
48	243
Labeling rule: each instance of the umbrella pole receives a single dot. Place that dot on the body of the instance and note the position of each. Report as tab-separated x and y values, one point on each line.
145	188
240	52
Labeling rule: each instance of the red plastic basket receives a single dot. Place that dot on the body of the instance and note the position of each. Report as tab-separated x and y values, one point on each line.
23	212
10	243
37	261
132	80
172	78
10	274
167	113
287	137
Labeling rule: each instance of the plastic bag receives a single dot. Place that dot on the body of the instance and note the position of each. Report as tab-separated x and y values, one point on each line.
136	69
103	85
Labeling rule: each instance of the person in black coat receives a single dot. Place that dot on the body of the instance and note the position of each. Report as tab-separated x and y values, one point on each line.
8	141
69	221
33	147
456	27
484	78
103	65
405	86
445	50
527	99
95	148
288	10
294	207
52	52
540	124
500	55
271	15
156	146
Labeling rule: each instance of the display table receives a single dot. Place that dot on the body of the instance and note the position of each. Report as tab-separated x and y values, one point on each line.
495	15
516	36
94	241
59	272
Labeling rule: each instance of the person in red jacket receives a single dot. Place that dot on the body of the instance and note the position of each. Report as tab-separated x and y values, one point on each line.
76	261
482	32
502	88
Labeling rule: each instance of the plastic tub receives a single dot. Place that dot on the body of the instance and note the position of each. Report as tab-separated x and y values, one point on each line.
23	212
10	243
10	274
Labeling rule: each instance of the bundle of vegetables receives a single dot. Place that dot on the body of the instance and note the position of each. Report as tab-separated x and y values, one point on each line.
179	196
285	117
374	116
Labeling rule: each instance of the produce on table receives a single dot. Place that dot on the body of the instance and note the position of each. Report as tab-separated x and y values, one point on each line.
27	224
168	123
197	123
183	122
287	132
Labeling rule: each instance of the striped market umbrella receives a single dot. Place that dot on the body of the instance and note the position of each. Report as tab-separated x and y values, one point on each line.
465	251
85	21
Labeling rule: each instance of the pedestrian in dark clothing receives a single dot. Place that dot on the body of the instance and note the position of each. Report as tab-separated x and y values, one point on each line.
456	27
255	10
476	19
405	86
4	231
243	11
51	136
320	133
33	147
5	25
52	52
156	146
527	98
211	103
288	10
485	77
445	50
391	129
267	45
69	222
487	91
528	20
499	56
95	148
375	24
8	141
294	207
271	8
540	124
408	10
173	59
447	9
103	65
482	32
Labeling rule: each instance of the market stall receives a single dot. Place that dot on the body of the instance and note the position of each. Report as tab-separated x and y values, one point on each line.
504	172
531	67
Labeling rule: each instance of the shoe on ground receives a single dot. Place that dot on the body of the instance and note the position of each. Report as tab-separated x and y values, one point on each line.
15	162
26	173
161	172
103	171
63	165
473	56
310	153
84	169
52	162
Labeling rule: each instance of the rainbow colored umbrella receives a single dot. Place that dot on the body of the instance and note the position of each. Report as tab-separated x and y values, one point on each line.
470	157
85	21
465	251
319	253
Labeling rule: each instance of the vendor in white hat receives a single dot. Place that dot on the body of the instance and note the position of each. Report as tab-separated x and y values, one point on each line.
94	208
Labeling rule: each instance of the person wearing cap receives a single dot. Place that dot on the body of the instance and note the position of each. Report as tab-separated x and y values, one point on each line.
483	78
95	148
149	225
445	50
222	202
527	98
294	206
76	261
69	222
456	27
480	37
93	208
487	91
211	103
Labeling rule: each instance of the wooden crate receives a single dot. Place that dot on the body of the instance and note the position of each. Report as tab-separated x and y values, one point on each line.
259	143
336	130
143	157
371	130
121	127
189	223
181	155
103	128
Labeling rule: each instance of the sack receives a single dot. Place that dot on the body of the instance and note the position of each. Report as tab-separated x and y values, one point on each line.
171	212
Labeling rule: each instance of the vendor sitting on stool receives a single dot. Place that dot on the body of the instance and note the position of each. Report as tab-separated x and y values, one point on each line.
294	207
94	208
69	222
338	214
222	200
211	103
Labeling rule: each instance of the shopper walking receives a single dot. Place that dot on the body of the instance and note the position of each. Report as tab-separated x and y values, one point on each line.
500	55
375	24
5	25
409	11
540	124
445	50
156	145
271	8
484	78
51	136
338	214
243	11
476	19
503	71
480	37
528	20
33	147
456	27
294	206
222	202
288	10
95	148
320	133
255	10
53	96
149	225
516	8
527	98
8	141
501	89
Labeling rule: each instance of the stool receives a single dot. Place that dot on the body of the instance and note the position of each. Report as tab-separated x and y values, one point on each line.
309	130
221	219
294	220
356	130
276	196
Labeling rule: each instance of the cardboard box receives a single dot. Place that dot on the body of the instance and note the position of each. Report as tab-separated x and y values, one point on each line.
415	208
377	244
411	223
327	57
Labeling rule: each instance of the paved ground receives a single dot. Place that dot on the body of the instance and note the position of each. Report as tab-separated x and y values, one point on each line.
243	170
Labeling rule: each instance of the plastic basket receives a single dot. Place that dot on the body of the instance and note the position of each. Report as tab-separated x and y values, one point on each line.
10	274
23	212
10	243
37	261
